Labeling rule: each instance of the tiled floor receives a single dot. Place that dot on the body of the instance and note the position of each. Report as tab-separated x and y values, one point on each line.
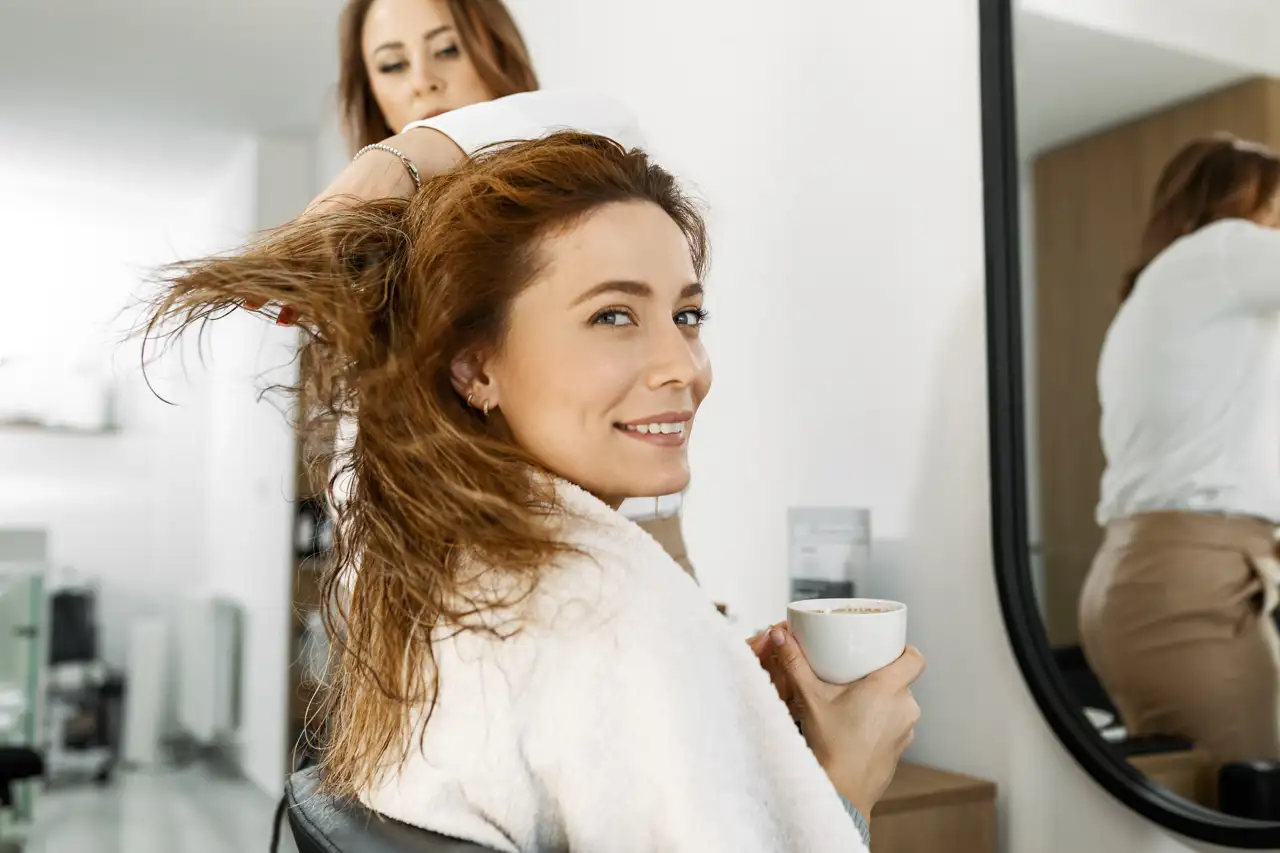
186	811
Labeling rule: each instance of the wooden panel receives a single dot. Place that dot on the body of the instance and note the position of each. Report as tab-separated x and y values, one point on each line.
915	787
1091	202
967	828
1271	127
926	810
1191	774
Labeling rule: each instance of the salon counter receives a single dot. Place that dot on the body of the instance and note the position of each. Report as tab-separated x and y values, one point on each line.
926	810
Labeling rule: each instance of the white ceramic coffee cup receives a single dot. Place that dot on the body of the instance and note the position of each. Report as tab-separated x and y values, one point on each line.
844	647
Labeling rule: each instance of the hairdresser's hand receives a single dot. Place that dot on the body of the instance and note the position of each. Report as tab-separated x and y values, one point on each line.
381	174
857	731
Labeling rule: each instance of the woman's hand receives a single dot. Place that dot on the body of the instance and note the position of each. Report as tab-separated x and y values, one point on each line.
857	731
380	174
765	651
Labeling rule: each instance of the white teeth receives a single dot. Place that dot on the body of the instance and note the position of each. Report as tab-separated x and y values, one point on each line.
655	429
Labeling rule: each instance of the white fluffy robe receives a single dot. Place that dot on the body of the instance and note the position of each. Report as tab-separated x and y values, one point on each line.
626	717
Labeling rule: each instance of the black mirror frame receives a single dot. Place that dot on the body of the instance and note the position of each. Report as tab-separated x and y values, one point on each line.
1008	471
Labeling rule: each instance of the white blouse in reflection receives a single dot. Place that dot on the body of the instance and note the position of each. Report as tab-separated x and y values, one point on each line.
1189	380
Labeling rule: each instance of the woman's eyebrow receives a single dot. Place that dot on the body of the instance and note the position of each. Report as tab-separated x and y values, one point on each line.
634	288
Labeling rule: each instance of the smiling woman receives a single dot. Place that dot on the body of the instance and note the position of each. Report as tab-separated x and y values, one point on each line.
406	63
602	380
508	317
516	660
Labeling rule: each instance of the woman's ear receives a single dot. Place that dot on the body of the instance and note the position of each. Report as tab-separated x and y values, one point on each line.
472	382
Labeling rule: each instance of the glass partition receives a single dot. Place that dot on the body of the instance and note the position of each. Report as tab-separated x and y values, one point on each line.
22	639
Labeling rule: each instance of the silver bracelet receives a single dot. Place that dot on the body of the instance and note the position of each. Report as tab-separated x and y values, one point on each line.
408	164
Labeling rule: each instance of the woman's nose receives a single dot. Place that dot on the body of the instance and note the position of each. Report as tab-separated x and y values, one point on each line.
675	359
424	81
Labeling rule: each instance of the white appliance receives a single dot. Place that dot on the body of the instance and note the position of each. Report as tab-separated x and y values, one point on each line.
209	650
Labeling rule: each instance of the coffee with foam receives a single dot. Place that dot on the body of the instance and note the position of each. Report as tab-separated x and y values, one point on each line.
845	639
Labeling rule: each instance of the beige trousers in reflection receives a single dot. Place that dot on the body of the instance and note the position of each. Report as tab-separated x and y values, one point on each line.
1176	621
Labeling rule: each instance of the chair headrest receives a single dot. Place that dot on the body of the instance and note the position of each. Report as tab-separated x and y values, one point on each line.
325	824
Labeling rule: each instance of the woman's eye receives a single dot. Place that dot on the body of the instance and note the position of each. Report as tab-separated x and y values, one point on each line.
691	317
448	52
393	67
612	317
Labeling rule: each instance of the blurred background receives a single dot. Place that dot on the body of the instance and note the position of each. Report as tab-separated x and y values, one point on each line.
147	545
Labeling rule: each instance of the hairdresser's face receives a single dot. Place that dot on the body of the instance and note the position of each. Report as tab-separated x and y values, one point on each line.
603	367
1269	215
416	64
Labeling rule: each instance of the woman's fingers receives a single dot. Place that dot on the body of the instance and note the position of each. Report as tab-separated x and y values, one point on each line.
286	316
760	642
793	664
762	646
904	671
782	684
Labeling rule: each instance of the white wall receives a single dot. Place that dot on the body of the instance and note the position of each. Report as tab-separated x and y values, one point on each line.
840	147
128	508
330	151
250	460
1238	31
189	498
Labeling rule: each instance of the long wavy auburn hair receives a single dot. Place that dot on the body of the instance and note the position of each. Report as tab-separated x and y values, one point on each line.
388	293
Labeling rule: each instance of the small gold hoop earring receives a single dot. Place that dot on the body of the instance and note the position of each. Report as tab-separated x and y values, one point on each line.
486	408
471	399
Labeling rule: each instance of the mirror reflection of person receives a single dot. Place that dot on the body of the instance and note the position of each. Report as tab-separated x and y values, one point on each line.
1176	615
522	666
405	61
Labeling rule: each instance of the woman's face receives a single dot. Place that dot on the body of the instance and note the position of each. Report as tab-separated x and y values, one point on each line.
603	368
417	68
1269	215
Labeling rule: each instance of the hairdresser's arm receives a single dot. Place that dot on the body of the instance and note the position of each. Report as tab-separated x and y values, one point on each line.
380	174
438	144
530	115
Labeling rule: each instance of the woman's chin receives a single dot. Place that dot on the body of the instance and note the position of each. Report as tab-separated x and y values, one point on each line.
654	484
648	484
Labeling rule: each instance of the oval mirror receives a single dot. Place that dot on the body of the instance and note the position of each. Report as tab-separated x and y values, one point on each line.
1133	246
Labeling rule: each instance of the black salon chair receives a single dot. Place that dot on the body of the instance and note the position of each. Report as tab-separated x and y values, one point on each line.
325	824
